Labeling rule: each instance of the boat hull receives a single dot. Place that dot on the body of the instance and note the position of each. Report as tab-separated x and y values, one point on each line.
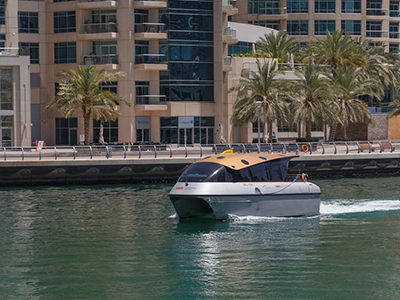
287	200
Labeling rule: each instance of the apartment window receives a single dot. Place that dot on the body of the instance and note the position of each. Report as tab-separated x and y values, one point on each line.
351	27
297	6
28	22
321	26
316	127
351	7
393	47
374	29
6	89
66	131
65	53
141	48
394	30
270	24
104	16
6	129
324	6
111	86
141	16
142	92
106	51
64	21
263	7
394	9
297	27
33	51
240	47
2	40
2	12
110	131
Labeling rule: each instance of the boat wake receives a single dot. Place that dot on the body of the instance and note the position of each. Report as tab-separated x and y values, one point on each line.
352	206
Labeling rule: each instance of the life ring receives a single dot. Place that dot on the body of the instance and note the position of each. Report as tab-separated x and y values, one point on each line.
303	177
304	148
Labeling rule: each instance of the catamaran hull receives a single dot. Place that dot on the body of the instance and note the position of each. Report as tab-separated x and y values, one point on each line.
289	204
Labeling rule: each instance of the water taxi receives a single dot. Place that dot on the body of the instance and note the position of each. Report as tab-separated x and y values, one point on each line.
244	184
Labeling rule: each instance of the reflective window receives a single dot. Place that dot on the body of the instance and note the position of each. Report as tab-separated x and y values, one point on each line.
240	47
297	27
374	29
270	24
33	49
2	12
28	22
64	21
297	6
351	6
66	131
324	6
110	131
199	172
6	89
6	131
394	9
351	27
65	53
104	16
320	26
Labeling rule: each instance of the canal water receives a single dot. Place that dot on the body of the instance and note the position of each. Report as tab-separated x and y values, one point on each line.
124	242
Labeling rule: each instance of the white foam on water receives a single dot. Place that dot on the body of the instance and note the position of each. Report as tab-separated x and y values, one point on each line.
348	206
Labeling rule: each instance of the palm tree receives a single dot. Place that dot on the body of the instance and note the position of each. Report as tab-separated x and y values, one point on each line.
349	85
276	45
265	88
82	90
310	97
336	50
395	104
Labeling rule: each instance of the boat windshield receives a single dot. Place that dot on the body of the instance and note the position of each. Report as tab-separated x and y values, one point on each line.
199	172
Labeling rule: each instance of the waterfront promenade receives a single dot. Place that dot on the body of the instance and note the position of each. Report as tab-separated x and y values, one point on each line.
164	163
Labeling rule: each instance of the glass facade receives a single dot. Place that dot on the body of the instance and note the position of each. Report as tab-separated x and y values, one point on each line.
200	131
28	22
2	12
374	29
66	131
394	9
65	53
320	26
6	89
297	27
263	7
297	6
6	130
188	50
351	7
64	21
33	51
104	16
110	131
351	27
394	30
325	6
270	24
240	47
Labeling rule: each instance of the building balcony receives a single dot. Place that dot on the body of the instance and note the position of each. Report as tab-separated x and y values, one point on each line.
273	13
12	51
229	36
109	62
148	4
95	4
227	64
229	7
150	31
151	102
151	62
377	34
377	13
99	31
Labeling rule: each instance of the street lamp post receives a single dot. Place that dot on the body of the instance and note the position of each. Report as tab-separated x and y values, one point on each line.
258	103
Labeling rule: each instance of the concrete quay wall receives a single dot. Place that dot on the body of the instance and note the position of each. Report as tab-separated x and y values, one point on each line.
158	170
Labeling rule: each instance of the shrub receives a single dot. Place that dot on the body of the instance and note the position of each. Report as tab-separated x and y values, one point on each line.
307	140
343	139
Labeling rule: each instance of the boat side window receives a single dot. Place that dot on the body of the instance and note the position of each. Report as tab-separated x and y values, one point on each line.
199	172
220	175
242	175
274	170
259	172
284	169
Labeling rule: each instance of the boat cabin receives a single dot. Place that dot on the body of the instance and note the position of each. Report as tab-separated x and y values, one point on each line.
251	167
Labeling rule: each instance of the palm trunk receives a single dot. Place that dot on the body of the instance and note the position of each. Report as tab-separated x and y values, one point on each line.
299	130
308	129
345	130
86	119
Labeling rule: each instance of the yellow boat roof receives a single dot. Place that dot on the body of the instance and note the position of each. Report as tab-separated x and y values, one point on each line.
238	161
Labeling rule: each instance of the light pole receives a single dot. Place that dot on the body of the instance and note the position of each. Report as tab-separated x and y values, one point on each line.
258	103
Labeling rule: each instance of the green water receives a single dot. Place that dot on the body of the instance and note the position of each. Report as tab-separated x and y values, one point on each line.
123	242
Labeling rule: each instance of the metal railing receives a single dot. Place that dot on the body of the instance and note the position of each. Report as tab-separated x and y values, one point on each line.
150	99
99	28
100	59
377	11
151	150
230	31
227	61
150	27
273	11
96	0
150	59
377	33
9	51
